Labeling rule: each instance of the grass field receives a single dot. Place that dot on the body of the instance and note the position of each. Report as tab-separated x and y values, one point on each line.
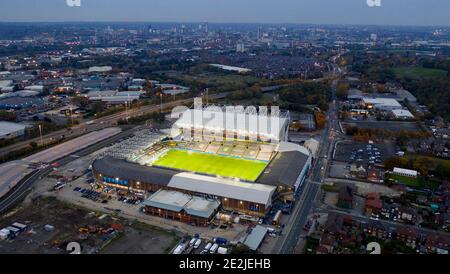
415	72
413	182
211	164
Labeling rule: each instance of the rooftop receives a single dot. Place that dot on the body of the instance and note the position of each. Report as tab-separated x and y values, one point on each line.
255	238
8	128
178	201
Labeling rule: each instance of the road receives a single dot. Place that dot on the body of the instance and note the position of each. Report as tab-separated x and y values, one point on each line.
21	189
308	197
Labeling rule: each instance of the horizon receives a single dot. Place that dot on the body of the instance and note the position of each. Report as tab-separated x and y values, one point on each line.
305	12
226	23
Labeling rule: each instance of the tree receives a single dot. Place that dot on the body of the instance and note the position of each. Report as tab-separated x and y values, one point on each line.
396	161
321	119
97	107
442	170
422	165
342	91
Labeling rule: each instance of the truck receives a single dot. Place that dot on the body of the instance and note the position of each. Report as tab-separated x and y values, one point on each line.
20	226
220	241
214	248
277	218
192	242
13	232
222	250
179	249
4	233
197	243
207	247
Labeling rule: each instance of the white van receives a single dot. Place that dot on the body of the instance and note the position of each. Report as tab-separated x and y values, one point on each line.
214	249
207	247
197	243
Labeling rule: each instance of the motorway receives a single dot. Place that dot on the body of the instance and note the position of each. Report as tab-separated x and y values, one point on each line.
311	186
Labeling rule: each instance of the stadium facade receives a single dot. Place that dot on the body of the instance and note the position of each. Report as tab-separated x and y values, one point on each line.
287	166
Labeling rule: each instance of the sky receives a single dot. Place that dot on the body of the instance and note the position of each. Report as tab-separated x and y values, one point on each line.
391	12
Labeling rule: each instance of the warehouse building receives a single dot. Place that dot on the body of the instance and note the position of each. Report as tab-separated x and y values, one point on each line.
384	104
402	114
10	130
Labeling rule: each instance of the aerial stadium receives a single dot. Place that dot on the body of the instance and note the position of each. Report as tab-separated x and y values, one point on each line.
224	159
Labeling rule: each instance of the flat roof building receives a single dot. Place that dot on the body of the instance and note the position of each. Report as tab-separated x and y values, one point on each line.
10	130
181	207
402	114
256	237
405	172
381	103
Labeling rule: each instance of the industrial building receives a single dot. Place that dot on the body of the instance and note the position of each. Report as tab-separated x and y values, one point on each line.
402	114
10	130
384	104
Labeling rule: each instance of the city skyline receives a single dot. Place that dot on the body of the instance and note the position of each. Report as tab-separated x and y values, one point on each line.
344	12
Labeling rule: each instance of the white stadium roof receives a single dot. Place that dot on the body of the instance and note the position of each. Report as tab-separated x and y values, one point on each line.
222	187
232	120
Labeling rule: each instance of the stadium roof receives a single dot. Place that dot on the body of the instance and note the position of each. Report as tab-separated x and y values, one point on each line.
284	169
236	120
221	187
119	168
286	166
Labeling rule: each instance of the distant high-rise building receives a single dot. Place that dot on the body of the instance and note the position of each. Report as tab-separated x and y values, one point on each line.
240	47
373	37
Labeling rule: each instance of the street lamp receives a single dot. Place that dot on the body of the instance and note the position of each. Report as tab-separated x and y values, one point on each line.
40	133
71	115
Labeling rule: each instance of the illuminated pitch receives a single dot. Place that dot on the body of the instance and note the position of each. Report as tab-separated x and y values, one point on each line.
212	164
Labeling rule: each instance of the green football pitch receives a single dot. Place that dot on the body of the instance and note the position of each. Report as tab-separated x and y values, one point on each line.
211	164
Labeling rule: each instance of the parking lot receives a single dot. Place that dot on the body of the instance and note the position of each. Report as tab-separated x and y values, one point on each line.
393	126
362	153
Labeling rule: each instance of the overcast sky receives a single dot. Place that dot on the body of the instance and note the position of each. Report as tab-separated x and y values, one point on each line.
391	12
